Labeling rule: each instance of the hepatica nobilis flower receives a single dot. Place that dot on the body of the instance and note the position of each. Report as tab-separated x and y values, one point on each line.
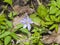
26	21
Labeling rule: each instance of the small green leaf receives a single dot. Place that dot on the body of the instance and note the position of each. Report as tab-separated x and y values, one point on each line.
53	10
2	17
1	43
47	18
53	26
8	1
56	44
5	34
2	27
19	26
40	43
42	23
53	3
49	23
14	36
58	19
35	19
26	43
58	3
56	28
14	13
58	13
7	40
52	17
2	31
24	30
10	15
42	11
9	23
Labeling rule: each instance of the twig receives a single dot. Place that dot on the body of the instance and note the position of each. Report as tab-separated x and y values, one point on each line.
39	2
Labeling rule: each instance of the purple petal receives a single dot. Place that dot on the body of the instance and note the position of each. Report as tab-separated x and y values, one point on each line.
29	27
26	21
29	20
22	21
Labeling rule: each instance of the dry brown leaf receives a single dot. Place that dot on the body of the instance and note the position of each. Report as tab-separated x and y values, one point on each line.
24	9
53	38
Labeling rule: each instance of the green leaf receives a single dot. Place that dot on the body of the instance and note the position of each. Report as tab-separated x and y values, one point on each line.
47	18
7	40
58	13
58	19
19	26
58	3
14	13
54	26
2	31
8	1
53	10
14	36
2	23
42	11
26	43
9	23
2	27
42	23
2	17
35	19
40	43
5	34
35	37
24	30
1	43
53	18
56	44
49	23
10	15
53	3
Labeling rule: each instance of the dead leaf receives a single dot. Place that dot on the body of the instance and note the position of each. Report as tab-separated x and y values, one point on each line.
24	9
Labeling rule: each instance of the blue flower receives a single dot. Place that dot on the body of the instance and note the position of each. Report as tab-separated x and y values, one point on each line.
26	21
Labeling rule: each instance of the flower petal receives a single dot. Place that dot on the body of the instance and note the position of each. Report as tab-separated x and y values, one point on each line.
22	21
29	27
29	20
25	26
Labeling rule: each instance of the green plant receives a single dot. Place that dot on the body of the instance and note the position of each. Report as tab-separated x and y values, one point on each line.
46	18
